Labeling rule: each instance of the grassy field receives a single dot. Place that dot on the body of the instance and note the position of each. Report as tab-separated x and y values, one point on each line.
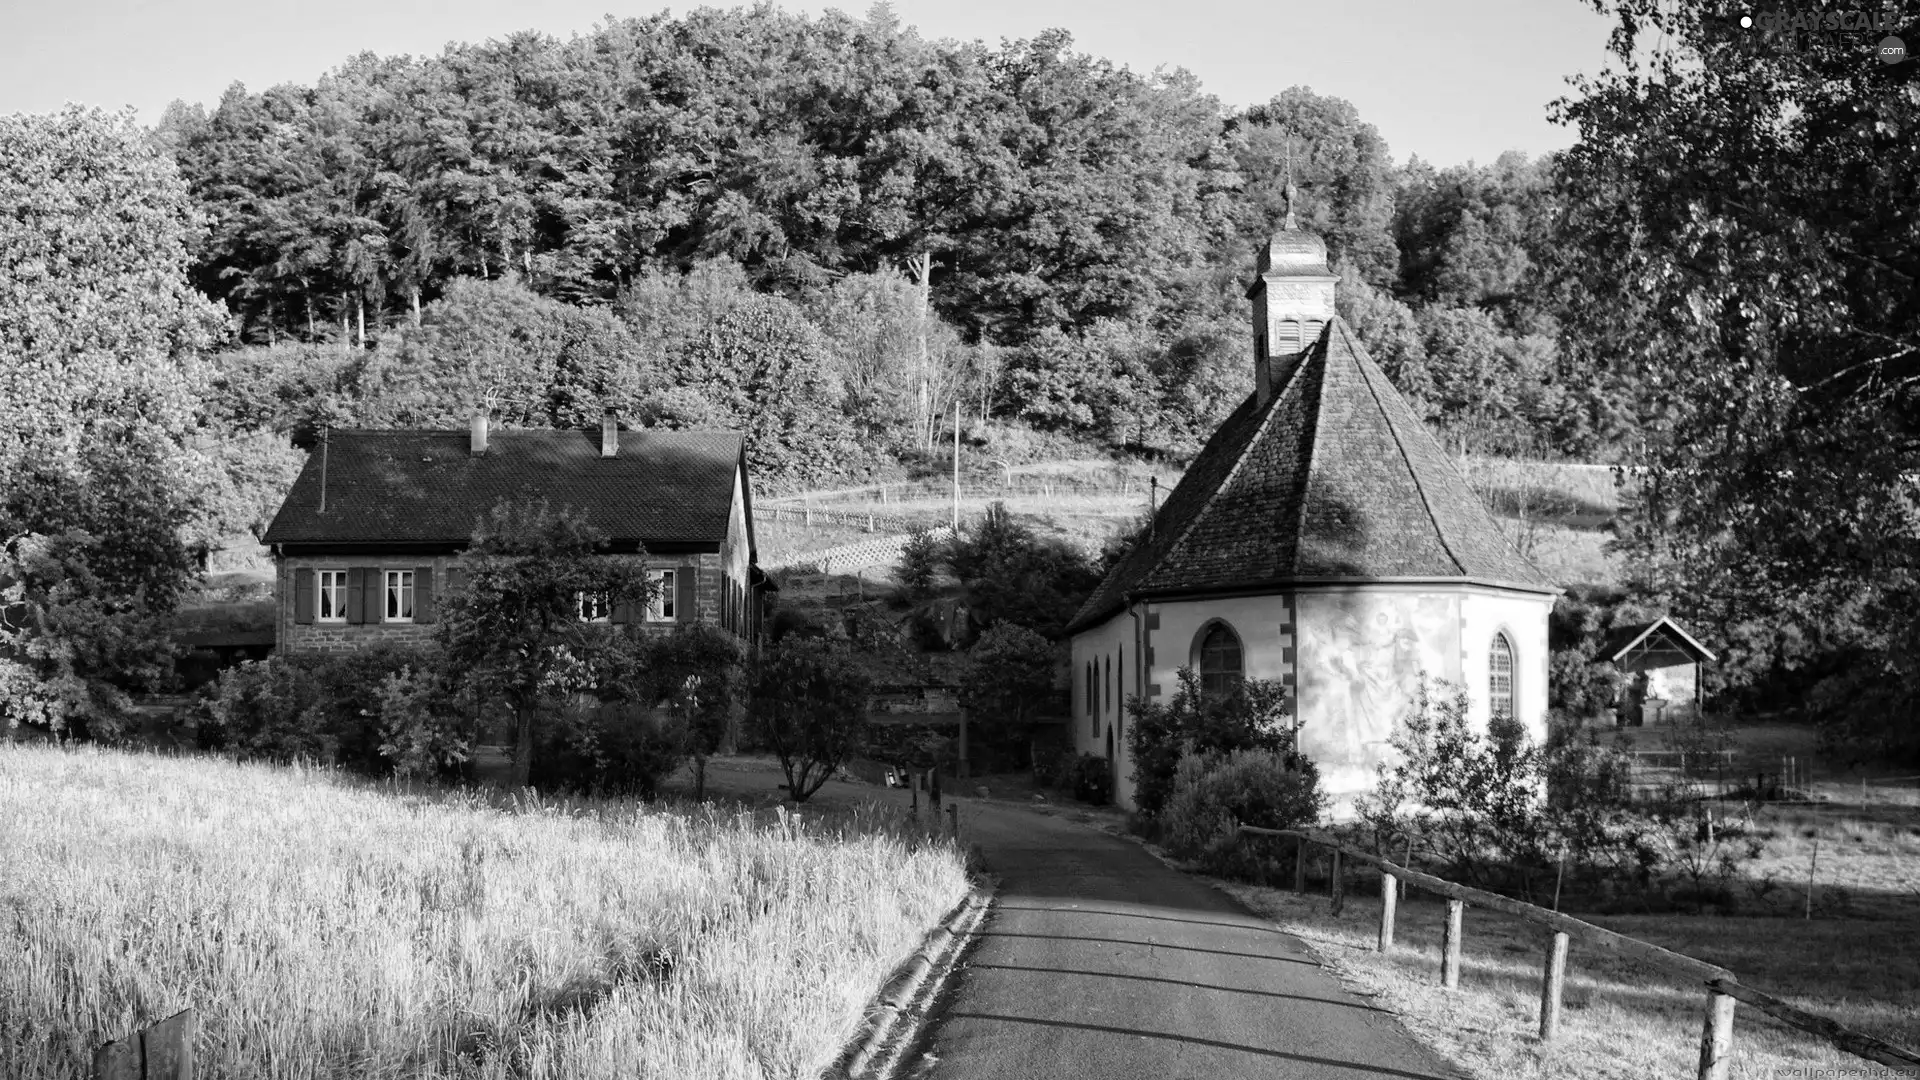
331	928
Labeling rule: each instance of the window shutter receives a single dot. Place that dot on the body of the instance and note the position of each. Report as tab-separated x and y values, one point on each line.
303	596
622	609
423	598
357	594
683	595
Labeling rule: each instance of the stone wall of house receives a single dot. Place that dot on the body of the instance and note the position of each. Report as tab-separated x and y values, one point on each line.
293	636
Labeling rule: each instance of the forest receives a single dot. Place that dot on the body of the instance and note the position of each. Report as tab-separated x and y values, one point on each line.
838	235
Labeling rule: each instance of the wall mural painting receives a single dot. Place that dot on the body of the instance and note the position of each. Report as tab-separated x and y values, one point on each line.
1360	660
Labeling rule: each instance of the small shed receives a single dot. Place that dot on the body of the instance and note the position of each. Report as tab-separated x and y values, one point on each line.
1662	663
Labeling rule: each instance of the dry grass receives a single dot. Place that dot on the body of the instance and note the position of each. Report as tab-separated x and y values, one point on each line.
330	928
1621	1021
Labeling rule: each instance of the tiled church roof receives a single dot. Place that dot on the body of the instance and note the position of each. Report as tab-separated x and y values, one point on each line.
426	487
1334	479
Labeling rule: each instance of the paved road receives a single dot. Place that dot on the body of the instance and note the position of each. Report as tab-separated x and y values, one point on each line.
1099	963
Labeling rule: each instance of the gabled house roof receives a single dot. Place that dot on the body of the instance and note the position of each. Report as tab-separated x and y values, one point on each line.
1333	479
664	489
1662	640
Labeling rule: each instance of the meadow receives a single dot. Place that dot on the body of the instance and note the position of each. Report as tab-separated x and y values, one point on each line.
1621	1021
1844	950
330	927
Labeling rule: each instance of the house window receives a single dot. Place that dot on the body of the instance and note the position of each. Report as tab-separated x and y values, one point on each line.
660	608
1500	676
594	607
1220	661
330	599
399	596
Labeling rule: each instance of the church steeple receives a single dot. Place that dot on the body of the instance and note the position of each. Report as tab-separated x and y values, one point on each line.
1292	298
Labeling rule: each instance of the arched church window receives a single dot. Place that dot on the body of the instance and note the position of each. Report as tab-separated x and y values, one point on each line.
1220	661
1500	674
1093	703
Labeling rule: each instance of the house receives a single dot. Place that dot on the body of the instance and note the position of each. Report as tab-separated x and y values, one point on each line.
1663	664
1322	538
372	533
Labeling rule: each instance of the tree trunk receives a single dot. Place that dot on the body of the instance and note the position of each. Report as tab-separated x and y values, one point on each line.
360	314
309	317
415	291
699	778
522	746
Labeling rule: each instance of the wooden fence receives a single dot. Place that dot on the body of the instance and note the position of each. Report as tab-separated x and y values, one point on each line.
1722	988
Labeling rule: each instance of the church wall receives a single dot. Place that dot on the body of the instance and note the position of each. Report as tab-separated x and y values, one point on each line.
1109	648
1362	654
1264	625
1524	620
1354	656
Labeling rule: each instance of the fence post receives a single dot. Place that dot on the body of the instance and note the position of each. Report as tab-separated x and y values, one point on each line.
1450	946
1551	981
1334	889
1389	894
953	820
1300	865
1716	1037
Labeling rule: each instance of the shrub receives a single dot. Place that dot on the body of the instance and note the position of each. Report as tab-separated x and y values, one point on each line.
1496	811
1092	779
1213	794
604	749
920	559
423	730
319	707
1161	734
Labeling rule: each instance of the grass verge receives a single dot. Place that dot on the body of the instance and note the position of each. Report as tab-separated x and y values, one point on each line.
1621	1021
326	927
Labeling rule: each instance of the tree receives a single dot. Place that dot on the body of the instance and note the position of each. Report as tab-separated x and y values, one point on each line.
1747	203
1340	166
1006	572
100	373
697	672
1009	679
810	697
515	630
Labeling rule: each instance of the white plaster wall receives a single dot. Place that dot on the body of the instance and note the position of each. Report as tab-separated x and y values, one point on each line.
1362	654
1093	719
1358	655
1524	620
1261	622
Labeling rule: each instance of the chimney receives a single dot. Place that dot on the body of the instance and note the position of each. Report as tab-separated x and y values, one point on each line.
479	440
610	433
1292	303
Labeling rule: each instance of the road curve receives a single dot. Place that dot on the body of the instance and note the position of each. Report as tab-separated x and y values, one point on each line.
1100	963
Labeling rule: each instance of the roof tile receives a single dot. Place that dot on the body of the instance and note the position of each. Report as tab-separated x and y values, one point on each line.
1336	478
426	487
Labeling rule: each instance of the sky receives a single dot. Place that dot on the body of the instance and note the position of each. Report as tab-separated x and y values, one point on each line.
1448	80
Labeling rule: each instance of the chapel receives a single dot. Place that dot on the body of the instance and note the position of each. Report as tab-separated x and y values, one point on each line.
1322	538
